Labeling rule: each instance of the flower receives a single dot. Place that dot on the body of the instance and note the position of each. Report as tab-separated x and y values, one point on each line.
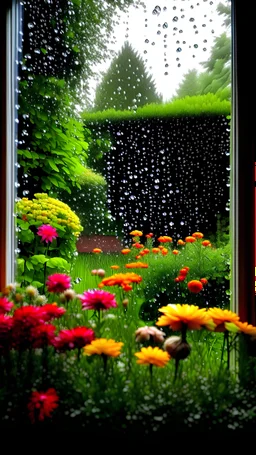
43	335
125	251
136	233
51	311
58	282
246	328
176	316
190	239
138	245
164	251
95	299
150	235
31	291
198	235
47	232
155	250
74	338
24	320
42	404
136	265
101	273
97	250
164	239
175	252
204	281
67	295
206	243
6	323
146	333
5	305
177	348
121	279
220	317
195	286
104	346
181	242
152	356
184	271
115	267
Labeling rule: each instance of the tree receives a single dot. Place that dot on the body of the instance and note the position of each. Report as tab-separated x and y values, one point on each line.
126	84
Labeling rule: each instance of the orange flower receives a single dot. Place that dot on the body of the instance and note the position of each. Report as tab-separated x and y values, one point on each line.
138	256
183	271
220	317
155	250
136	233
149	236
246	328
121	279
103	346
97	250
204	281
190	239
181	242
164	251
145	251
180	315
164	239
175	252
136	265
195	286
125	251
153	356
180	278
198	235
115	267
206	243
137	245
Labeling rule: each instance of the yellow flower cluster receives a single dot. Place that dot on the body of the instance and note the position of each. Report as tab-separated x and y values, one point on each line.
47	210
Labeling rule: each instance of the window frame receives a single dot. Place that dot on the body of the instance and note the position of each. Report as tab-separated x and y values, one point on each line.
243	157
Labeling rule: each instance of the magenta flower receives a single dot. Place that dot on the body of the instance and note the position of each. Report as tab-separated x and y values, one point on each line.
51	311
47	232
95	299
74	338
5	305
58	282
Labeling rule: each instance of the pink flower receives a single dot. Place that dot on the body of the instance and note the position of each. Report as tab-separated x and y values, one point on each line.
58	282
51	311
43	335
95	299
47	232
74	338
5	305
42	404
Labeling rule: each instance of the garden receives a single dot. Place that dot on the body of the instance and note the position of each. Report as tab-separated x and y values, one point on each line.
141	342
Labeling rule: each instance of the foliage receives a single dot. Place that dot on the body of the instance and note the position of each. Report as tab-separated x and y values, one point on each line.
126	84
37	259
209	104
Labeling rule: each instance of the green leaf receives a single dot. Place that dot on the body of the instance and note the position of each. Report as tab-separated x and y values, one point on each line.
20	264
26	236
58	263
29	265
37	284
53	165
38	259
44	51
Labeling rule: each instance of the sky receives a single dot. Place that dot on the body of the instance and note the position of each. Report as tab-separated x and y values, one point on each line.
172	37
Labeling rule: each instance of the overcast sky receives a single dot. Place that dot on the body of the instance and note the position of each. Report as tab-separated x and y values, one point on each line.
172	36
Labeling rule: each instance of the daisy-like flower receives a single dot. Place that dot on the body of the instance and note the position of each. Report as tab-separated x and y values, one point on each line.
42	404
155	250
125	251
25	319
96	299
190	239
198	235
121	279
195	286
42	335
5	305
152	356
138	245
164	239
184	315
175	252
32	292
136	265
149	333
77	337
150	235
145	251
206	243
97	250
104	346
51	311
47	233
58	282
164	251
244	327
136	233
220	317
181	242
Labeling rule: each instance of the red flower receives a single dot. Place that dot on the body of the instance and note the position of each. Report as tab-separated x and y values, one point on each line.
6	323
206	243
164	239
149	236
43	335
51	311
190	239
183	271
204	281
5	305
195	286
97	250
58	282
47	232
42	404
24	320
97	300
74	338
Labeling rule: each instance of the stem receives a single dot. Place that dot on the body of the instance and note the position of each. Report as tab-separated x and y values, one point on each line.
176	369
151	372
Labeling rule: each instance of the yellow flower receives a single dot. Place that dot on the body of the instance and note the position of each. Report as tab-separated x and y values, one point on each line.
152	356
180	315
246	328
220	317
136	233
103	346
